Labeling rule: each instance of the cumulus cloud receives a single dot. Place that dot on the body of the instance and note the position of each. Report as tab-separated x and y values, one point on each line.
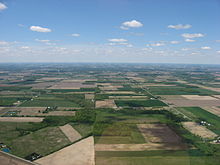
174	42
157	44
218	51
75	35
206	48
2	6
131	24
117	40
189	40
40	29
180	26
192	35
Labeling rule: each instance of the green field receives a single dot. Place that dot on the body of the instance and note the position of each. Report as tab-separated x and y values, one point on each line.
82	128
202	114
10	131
65	100
43	141
49	103
139	103
120	133
9	101
180	91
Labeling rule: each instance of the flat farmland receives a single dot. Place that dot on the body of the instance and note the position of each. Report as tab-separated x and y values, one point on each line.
197	97
81	153
158	133
128	97
42	85
39	111
180	91
105	104
207	116
71	85
119	92
110	88
199	130
42	141
89	96
120	133
139	103
21	119
190	100
159	158
49	102
70	132
213	109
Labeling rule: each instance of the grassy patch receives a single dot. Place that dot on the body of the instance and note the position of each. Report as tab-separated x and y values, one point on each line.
83	129
139	103
10	131
120	133
43	141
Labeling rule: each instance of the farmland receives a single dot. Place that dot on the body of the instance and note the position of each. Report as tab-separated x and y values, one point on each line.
129	114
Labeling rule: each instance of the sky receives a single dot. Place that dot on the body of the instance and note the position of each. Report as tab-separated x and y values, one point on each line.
118	31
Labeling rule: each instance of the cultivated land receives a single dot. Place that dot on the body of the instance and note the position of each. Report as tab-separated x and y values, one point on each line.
111	113
199	130
80	153
70	132
105	104
158	133
21	119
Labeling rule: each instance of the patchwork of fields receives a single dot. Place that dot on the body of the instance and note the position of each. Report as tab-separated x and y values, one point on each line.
103	114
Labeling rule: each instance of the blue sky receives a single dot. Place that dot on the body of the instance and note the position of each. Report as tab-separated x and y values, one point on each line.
146	31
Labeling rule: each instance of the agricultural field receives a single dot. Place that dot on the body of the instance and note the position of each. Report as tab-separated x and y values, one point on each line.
111	114
139	103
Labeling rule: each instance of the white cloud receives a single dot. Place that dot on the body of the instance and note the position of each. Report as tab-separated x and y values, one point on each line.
194	53
185	49
206	48
131	24
124	28
129	45
147	49
25	47
2	6
3	43
40	29
174	42
189	40
44	41
118	43
192	35
180	26
47	42
75	35
158	44
117	40
218	51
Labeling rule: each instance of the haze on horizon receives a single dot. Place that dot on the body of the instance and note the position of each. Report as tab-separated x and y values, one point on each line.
122	31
